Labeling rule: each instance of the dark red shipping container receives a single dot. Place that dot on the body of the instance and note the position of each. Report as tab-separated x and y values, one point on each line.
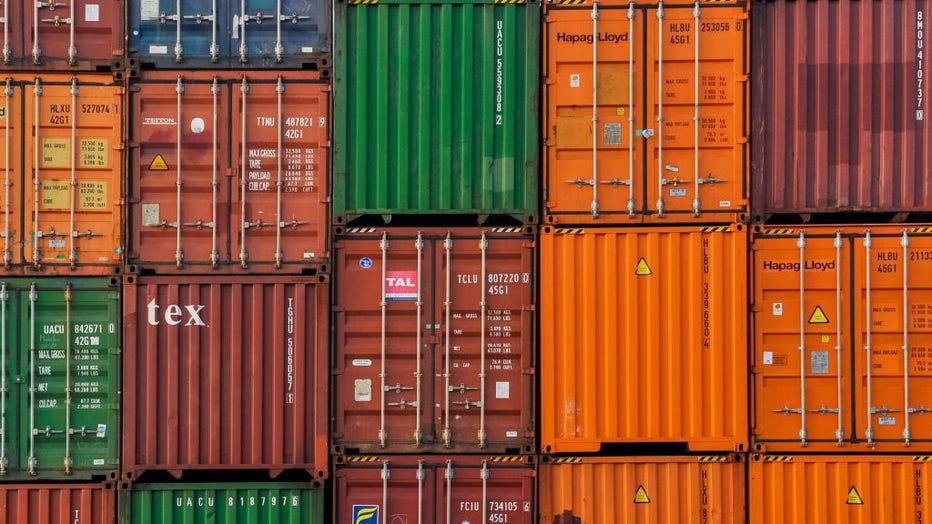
225	373
78	35
57	503
839	107
246	190
435	488
434	340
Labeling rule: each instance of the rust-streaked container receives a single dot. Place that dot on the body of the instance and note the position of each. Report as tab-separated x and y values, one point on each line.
644	338
58	503
248	184
838	489
689	75
608	490
443	322
62	134
435	488
225	373
830	372
79	35
840	123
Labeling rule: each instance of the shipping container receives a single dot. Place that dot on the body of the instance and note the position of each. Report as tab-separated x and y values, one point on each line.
202	34
59	378
646	112
62	174
81	35
644	338
609	490
843	348
58	503
434	340
241	368
434	488
223	503
838	101
835	489
228	172
436	108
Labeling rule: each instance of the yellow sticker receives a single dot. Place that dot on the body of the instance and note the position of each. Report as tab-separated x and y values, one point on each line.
818	316
640	496
55	195
158	163
93	152
642	269
825	339
92	195
56	152
620	111
854	497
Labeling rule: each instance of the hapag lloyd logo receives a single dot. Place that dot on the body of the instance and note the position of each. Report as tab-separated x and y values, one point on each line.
175	314
811	265
578	38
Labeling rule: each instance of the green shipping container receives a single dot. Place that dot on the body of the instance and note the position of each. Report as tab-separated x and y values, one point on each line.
226	503
60	374
436	108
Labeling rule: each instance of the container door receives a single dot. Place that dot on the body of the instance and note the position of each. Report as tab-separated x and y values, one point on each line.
10	161
595	173
269	32
74	30
893	311
279	214
802	356
178	31
381	492
696	94
73	160
179	208
484	366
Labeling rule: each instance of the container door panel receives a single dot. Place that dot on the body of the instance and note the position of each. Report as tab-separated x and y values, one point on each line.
269	30
74	30
203	33
14	179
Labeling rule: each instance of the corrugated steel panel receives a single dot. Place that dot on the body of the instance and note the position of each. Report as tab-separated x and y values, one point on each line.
862	297
839	489
242	374
839	107
64	135
223	503
58	503
60	390
211	149
292	34
436	109
655	349
608	490
434	488
443	322
694	82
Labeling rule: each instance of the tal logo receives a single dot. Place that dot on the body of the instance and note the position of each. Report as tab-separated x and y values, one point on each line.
175	314
401	285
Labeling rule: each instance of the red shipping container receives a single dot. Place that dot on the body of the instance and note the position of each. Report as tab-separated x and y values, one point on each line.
434	340
435	488
839	107
58	503
225	373
246	191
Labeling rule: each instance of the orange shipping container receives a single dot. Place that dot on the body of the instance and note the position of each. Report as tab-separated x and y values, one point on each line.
627	74
61	153
830	370
838	489
604	490
644	338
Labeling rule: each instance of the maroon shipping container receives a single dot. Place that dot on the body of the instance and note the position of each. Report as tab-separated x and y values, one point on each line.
225	373
839	107
78	35
247	189
58	503
434	488
434	340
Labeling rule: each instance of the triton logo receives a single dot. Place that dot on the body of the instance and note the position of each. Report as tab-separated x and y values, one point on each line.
365	514
174	314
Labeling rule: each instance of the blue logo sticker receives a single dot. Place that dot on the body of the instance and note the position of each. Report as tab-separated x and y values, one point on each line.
365	262
365	514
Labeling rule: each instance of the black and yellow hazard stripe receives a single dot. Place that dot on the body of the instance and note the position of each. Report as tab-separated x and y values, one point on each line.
362	458
507	458
713	229
567	460
778	458
362	2
778	231
713	458
920	229
510	1
570	2
922	458
569	231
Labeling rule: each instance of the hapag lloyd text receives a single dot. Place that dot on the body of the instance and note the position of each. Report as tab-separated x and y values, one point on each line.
811	265
578	38
174	314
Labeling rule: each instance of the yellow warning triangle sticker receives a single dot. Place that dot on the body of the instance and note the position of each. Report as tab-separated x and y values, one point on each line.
640	496
643	269
158	163
854	497
818	316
